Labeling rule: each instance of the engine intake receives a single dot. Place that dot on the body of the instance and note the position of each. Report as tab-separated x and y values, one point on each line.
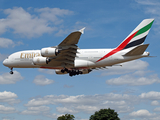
49	52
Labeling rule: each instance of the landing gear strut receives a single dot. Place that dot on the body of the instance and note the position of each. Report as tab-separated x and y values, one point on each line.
11	72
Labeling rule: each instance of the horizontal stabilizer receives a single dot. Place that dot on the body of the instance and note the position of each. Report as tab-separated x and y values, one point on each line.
137	51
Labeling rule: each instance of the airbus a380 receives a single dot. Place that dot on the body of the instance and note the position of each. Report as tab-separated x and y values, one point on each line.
67	58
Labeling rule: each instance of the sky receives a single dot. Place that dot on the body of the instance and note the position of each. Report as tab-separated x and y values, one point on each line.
39	94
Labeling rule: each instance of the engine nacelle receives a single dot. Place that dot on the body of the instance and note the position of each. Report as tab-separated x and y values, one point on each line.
40	61
49	52
59	72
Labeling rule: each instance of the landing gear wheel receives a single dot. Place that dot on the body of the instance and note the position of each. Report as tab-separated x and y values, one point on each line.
70	74
11	72
74	72
64	70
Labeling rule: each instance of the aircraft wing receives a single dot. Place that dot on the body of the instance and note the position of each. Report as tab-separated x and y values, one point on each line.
72	39
68	49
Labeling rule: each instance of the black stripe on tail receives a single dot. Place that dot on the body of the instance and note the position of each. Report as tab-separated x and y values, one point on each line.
135	43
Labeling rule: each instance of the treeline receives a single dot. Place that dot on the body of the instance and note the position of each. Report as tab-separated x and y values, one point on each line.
102	114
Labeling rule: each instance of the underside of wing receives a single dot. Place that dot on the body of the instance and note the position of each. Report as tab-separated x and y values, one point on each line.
67	56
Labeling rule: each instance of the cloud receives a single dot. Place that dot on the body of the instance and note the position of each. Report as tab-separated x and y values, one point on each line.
41	80
66	110
47	71
27	112
8	97
157	109
2	57
36	110
144	114
87	108
136	74
152	95
77	109
39	110
155	103
141	113
7	110
52	115
7	78
87	103
27	25
53	14
148	2
152	7
8	118
126	68
68	86
121	103
5	43
133	80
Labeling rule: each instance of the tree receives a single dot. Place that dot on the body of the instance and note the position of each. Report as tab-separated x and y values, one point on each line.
66	117
105	114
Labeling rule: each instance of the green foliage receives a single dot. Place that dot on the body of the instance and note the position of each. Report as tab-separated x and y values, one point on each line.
66	117
105	114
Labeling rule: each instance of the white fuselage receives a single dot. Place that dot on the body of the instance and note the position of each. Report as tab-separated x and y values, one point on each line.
85	58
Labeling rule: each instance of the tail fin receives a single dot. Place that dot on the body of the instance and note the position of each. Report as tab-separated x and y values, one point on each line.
138	35
135	38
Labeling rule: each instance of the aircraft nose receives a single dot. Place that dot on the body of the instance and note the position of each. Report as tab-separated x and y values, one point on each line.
5	62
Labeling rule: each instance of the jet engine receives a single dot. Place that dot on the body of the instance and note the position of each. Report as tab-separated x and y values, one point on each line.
40	60
49	52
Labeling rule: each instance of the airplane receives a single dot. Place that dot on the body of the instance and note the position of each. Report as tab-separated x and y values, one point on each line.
67	58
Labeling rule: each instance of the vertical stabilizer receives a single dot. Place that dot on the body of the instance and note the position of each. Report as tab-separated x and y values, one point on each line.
134	39
138	35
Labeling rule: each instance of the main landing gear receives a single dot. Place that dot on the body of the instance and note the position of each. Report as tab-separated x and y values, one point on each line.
11	72
72	72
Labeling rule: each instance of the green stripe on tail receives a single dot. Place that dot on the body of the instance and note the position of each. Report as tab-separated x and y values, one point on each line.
144	29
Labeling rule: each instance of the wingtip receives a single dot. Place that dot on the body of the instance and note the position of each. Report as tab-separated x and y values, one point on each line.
82	30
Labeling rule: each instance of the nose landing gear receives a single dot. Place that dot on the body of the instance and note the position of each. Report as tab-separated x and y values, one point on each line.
11	72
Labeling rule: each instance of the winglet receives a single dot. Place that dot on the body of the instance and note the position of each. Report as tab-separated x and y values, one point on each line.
82	30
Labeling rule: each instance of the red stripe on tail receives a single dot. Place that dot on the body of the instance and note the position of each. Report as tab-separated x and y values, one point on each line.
120	47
